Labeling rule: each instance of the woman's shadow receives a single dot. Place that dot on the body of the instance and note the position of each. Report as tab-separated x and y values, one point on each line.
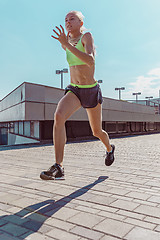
30	219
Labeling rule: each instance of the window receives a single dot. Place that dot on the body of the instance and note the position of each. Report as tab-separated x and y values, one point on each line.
16	128
27	129
21	128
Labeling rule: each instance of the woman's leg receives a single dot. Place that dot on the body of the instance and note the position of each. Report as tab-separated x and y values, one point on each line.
95	120
66	107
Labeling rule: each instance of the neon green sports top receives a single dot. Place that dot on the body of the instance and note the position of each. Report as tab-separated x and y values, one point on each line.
71	58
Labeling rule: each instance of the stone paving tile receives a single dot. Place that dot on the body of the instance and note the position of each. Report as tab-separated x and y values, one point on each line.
157	228
86	196
4	207
22	182
94	206
152	220
13	229
88	233
87	209
119	197
118	191
155	199
126	213
37	217
140	223
37	236
59	224
63	213
138	195
62	235
14	219
148	210
102	200
2	222
7	198
114	227
145	203
3	212
6	236
111	215
24	202
126	205
32	225
142	234
86	219
45	228
153	183
35	185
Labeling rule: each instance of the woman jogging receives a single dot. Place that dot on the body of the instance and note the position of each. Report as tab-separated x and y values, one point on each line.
83	91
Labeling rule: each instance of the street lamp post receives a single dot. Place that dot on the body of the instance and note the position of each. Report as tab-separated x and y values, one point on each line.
119	89
149	99
136	94
65	70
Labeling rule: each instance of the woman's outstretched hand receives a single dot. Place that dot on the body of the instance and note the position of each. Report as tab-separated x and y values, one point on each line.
61	36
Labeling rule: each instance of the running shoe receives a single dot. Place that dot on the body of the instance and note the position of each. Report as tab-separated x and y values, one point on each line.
110	156
55	172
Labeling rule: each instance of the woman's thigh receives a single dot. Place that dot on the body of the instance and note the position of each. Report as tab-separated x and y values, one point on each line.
67	106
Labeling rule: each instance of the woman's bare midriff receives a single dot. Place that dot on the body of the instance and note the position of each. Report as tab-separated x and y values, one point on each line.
82	74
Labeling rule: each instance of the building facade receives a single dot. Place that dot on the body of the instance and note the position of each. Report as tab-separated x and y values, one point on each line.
27	113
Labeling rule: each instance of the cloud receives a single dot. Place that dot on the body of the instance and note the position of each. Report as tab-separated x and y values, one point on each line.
155	72
148	85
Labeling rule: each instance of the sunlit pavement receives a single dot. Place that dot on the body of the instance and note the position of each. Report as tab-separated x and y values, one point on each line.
94	202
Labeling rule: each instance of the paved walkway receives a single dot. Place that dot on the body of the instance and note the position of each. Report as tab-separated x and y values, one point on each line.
94	202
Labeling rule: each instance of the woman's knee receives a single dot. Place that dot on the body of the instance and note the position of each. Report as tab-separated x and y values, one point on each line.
59	117
97	132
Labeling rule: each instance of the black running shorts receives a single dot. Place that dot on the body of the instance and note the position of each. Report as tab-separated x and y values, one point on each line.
89	97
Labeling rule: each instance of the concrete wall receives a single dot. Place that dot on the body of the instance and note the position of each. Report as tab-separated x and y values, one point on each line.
12	107
37	102
30	102
13	113
115	110
13	98
41	102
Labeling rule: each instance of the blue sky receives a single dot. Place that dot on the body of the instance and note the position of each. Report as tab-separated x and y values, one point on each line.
126	35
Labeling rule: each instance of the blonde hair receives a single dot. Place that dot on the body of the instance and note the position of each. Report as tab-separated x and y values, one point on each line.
81	18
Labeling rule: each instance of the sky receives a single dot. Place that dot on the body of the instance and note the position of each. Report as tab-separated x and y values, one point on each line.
126	35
